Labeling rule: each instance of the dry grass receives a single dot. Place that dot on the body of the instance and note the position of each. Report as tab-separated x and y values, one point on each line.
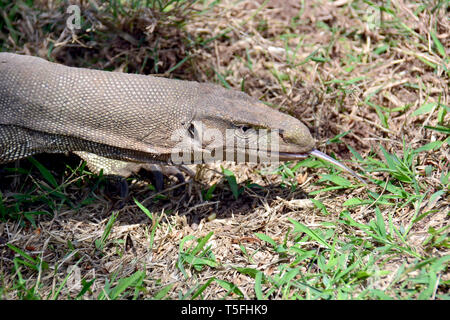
340	67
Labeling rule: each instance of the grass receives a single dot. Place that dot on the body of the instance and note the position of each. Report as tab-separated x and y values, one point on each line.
369	80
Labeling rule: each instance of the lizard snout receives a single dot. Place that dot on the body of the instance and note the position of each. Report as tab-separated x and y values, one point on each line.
297	136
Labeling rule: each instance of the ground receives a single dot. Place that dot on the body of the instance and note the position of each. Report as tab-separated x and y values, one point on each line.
370	80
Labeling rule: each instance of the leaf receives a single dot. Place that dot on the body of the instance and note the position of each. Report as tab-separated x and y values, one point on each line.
209	193
202	243
163	292
266	238
229	175
86	286
179	64
439	129
190	255
222	80
45	173
144	209
381	115
380	223
320	205
425	108
389	159
100	243
202	288
435	198
199	262
230	287
338	180
248	271
430	146
22	253
381	49
298	227
438	44
355	153
125	283
258	286
353	202
337	138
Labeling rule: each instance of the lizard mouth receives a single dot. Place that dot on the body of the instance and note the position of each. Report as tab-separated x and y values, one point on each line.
284	156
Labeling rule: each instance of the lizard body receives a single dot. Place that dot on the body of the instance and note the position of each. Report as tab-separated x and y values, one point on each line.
100	115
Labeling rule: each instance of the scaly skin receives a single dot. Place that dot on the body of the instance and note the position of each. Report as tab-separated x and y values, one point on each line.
120	122
47	107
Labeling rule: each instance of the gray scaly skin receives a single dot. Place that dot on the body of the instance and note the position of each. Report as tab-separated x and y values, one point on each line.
48	107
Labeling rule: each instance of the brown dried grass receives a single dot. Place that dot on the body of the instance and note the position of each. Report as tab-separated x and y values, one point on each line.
327	108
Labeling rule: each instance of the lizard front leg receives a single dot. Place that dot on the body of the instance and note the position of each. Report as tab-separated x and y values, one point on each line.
118	170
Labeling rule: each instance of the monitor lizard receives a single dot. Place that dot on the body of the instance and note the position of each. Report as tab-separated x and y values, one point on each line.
121	122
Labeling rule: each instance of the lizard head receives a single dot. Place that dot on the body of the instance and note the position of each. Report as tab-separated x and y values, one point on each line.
239	128
245	127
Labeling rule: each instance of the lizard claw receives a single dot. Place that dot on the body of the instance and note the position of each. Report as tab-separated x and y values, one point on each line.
157	177
118	170
117	189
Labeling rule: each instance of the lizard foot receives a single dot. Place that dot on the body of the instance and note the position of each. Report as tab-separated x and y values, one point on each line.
158	172
116	189
116	169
